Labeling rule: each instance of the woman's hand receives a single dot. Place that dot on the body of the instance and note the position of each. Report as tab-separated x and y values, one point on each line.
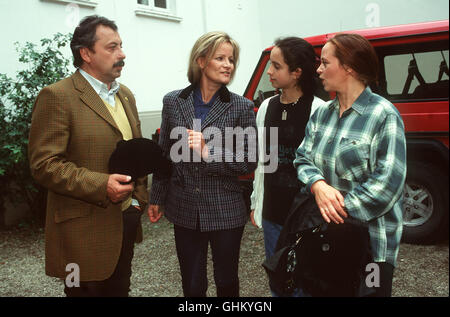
330	202
153	213
197	143
252	218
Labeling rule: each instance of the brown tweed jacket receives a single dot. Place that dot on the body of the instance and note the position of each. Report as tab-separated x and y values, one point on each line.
72	136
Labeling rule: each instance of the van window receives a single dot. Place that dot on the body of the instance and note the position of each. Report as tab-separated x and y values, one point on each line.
265	89
412	74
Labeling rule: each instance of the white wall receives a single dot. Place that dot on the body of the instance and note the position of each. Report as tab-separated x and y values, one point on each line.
240	19
157	50
307	18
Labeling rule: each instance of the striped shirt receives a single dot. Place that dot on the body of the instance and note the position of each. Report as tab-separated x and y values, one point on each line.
363	155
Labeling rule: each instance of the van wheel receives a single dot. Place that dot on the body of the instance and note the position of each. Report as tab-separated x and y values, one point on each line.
425	205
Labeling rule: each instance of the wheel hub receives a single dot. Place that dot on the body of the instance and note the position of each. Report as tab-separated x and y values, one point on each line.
417	205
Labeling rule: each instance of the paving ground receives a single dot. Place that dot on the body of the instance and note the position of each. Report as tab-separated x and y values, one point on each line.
423	270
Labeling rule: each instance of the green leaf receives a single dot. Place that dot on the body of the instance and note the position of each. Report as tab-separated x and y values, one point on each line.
42	65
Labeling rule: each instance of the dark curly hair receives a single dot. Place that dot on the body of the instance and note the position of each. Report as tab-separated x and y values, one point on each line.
298	53
84	35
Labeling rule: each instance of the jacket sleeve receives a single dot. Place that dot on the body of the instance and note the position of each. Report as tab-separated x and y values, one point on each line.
307	172
160	184
140	192
384	187
259	173
48	157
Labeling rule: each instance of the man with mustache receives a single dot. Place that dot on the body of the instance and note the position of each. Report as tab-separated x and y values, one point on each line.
93	218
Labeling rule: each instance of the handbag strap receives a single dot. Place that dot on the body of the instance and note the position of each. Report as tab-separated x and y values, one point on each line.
314	230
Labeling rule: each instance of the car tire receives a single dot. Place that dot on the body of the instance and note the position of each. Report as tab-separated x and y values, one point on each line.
425	204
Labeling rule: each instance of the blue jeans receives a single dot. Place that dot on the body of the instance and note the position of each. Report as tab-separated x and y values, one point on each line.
271	234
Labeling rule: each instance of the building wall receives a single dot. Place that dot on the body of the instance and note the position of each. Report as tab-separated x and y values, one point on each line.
157	49
307	18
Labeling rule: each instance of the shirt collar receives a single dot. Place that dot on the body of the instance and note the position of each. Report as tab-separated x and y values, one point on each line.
360	103
198	100
100	87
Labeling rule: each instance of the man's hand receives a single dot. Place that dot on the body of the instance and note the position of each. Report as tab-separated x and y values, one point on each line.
153	213
117	191
330	202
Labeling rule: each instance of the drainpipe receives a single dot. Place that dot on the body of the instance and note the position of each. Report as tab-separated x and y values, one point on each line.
205	25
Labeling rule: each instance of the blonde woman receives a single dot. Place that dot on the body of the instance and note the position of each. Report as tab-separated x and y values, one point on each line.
203	198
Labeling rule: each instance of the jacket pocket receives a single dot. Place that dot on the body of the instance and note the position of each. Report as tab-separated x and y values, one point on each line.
352	159
70	208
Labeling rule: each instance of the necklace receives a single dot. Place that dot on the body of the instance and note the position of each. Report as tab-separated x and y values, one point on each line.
284	113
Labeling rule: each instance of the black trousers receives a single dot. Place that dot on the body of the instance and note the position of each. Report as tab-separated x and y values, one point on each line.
386	276
118	284
192	251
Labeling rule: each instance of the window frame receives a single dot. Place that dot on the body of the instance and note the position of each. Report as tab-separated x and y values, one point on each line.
81	3
405	49
152	11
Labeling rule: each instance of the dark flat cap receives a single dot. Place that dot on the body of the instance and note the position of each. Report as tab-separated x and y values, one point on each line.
138	158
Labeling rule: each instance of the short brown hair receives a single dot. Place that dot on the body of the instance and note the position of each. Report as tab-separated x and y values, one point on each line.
85	36
206	46
356	52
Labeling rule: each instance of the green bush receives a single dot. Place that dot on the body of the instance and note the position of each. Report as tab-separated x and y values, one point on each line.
44	65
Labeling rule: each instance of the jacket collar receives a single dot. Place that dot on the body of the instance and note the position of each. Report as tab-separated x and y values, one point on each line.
100	88
224	93
186	104
91	99
128	110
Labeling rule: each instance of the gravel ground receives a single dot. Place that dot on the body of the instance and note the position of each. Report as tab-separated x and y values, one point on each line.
423	270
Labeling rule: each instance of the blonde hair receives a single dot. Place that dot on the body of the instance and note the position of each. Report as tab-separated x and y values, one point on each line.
206	46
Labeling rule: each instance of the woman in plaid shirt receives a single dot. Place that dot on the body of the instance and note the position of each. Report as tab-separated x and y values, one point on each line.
353	158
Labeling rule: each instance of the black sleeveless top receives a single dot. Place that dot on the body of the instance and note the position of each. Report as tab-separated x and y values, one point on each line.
281	186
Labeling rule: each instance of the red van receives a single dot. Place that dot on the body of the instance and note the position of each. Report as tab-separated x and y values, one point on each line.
414	77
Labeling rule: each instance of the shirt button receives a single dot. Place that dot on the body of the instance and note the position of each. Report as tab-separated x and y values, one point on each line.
197	190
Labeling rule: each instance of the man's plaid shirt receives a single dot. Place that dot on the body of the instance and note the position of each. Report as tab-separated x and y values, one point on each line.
363	155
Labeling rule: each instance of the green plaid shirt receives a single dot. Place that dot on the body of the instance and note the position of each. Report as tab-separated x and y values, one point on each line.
363	155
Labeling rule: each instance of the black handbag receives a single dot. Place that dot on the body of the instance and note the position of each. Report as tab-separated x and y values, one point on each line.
322	259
